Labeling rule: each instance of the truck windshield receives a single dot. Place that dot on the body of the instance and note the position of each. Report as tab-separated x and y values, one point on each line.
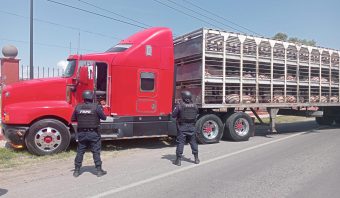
69	70
119	48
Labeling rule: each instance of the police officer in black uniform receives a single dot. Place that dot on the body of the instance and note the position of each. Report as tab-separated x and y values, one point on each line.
186	113
88	115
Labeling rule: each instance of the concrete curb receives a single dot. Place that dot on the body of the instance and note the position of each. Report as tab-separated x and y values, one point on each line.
2	144
2	141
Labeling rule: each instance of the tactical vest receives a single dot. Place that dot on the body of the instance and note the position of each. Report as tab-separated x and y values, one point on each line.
87	116
188	113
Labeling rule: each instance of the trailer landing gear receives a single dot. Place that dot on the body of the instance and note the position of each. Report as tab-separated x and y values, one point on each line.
272	118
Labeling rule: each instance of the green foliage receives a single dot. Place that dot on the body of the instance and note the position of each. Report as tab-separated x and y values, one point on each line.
293	40
286	119
280	36
6	154
284	37
10	158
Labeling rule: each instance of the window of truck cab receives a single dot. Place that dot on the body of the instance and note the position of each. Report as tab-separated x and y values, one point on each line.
70	68
147	82
119	47
90	67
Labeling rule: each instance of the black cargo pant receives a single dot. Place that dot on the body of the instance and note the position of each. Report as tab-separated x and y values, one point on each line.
90	139
182	137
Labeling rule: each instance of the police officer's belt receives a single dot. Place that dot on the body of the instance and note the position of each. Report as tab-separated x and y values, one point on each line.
87	129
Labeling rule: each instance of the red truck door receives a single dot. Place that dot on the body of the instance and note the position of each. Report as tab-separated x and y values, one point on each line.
85	67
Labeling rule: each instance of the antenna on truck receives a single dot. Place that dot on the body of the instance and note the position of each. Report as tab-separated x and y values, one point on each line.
78	42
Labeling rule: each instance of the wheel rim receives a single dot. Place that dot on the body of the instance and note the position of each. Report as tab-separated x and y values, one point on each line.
48	139
241	127
210	129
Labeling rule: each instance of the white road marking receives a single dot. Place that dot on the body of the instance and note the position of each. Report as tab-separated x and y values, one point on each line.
116	190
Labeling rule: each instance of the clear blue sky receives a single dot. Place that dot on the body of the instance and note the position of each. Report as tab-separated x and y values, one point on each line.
53	33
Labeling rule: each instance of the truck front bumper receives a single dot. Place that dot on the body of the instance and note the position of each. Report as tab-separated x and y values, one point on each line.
14	134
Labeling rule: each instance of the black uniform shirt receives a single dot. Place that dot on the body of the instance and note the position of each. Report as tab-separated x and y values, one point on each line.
184	127
99	111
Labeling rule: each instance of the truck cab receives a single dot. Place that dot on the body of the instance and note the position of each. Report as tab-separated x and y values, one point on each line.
133	81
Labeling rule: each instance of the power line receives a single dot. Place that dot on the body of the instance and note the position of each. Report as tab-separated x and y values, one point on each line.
221	17
61	25
90	4
97	14
180	11
205	16
77	29
44	44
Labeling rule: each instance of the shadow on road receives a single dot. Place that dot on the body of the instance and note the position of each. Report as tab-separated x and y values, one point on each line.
172	158
162	142
86	169
126	144
296	127
3	191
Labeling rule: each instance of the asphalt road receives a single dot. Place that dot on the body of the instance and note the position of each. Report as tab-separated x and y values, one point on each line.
301	161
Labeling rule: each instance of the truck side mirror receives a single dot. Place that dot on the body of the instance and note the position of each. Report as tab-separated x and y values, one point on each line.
83	75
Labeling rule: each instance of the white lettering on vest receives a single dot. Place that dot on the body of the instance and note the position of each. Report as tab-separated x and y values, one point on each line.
85	111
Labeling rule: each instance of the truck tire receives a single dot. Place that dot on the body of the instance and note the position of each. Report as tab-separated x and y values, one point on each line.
238	127
209	129
324	120
47	136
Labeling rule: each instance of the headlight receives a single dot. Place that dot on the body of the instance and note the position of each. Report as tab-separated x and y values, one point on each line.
6	117
7	94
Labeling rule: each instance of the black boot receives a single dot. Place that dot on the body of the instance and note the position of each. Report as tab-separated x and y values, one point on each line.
100	171
178	161
197	161
76	172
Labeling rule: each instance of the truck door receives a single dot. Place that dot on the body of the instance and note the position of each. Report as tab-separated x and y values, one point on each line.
146	103
102	86
86	78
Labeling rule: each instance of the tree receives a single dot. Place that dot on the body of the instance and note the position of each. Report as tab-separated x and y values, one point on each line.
310	43
280	36
284	37
294	40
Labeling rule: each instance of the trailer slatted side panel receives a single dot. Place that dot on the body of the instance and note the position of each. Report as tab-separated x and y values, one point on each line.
225	69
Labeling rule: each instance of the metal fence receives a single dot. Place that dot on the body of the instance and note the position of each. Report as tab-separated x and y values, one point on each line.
39	72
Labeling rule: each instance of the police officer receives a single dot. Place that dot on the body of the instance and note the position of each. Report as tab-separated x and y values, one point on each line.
186	113
88	115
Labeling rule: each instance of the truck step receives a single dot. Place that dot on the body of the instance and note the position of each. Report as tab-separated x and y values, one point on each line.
109	136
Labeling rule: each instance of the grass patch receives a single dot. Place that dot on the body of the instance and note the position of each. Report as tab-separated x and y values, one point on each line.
10	158
286	119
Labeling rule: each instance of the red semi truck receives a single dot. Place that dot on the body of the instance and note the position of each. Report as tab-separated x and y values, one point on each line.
137	82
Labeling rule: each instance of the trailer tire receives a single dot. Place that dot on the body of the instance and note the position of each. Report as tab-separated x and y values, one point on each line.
47	136
209	129
238	127
324	120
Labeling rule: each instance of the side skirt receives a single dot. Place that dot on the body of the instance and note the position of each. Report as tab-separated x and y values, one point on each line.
137	127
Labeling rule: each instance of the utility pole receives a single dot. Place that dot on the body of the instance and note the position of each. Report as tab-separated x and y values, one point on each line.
31	40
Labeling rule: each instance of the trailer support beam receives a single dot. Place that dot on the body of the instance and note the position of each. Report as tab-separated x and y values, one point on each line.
257	116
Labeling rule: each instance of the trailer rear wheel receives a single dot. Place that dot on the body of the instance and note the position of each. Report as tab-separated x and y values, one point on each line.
324	120
209	129
238	127
47	137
